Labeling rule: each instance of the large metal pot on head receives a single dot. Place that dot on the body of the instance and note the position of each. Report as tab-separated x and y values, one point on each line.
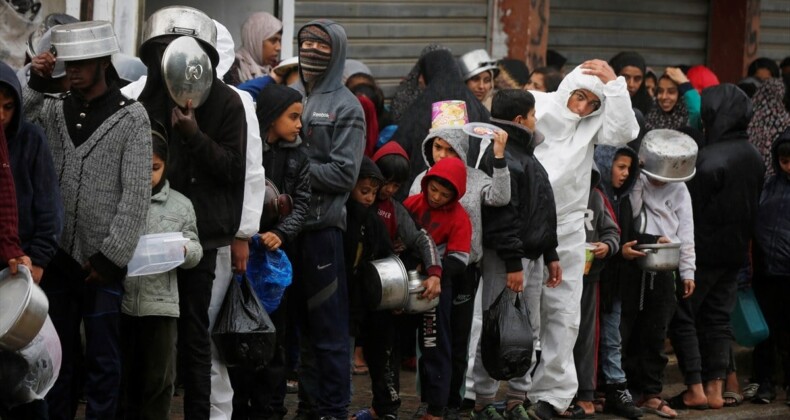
660	257
386	283
187	72
476	62
23	309
84	40
182	20
668	155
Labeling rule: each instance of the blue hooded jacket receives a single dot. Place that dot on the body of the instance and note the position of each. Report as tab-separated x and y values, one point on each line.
37	191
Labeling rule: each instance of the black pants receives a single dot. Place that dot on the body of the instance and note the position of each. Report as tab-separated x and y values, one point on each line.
71	302
382	355
148	344
34	410
772	293
683	333
648	306
434	340
194	345
585	351
464	290
712	303
261	394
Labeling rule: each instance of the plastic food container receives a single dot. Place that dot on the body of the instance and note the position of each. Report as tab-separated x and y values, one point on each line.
157	253
588	257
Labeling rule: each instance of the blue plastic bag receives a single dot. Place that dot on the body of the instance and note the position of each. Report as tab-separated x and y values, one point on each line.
269	273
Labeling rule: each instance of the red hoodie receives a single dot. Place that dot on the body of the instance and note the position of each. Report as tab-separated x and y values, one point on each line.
386	208
449	225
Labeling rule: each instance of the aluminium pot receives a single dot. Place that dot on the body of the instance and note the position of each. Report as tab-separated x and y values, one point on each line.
386	285
660	257
23	309
84	40
415	304
668	155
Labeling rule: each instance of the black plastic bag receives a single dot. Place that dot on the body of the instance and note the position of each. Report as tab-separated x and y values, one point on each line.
506	340
244	334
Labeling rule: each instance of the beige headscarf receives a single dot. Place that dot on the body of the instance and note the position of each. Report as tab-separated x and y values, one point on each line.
257	28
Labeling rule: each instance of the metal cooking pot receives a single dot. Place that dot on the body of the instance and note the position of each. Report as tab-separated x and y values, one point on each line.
414	303
23	309
275	206
387	283
476	62
668	155
182	20
187	72
660	257
84	40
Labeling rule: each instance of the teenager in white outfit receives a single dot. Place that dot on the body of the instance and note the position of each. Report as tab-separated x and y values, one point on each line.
592	105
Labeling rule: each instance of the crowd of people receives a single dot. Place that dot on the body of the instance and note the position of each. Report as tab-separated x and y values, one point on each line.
553	209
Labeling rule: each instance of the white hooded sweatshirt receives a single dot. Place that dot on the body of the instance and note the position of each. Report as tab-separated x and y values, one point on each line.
567	152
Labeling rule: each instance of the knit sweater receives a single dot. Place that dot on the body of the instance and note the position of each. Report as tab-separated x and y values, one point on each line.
105	182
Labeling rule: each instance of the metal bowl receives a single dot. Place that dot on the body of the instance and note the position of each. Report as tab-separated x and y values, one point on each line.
660	257
415	304
668	155
23	309
387	286
476	62
187	72
84	40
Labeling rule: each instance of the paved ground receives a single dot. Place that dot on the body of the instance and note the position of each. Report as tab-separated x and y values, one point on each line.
362	396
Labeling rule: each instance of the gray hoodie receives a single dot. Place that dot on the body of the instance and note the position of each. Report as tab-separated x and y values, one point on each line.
333	132
480	188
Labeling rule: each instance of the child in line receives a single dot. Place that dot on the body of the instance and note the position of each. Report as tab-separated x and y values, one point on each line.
650	302
150	303
619	167
438	210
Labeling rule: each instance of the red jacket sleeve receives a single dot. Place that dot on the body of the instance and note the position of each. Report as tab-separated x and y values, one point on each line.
9	235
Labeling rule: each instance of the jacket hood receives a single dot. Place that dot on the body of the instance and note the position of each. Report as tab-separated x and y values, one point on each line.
517	135
453	170
161	195
578	80
332	79
604	160
390	148
456	137
440	66
595	176
784	138
225	49
725	112
8	77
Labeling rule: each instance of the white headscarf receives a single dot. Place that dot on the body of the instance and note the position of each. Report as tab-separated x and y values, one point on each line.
257	28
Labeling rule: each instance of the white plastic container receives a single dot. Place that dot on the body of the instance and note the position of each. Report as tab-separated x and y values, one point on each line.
157	253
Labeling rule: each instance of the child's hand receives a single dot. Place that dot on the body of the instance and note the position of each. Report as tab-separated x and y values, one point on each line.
629	253
664	240
43	64
500	140
14	263
688	288
599	69
601	250
515	281
555	274
271	241
433	286
37	273
239	254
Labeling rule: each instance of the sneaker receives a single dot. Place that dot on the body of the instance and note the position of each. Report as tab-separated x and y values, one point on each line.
517	413
749	391
452	413
291	387
541	410
620	402
487	413
422	410
765	395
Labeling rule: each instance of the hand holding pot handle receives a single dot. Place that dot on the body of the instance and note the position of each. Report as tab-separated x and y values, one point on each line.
629	253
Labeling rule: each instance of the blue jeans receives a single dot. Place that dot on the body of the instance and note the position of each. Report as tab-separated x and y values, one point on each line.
610	346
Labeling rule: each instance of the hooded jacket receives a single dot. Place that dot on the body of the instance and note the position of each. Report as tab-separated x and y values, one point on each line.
9	239
449	225
772	233
600	225
157	294
527	226
333	131
442	82
400	224
36	184
730	172
567	151
480	188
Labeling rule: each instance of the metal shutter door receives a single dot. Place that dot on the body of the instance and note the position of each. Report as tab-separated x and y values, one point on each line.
666	33
388	36
774	29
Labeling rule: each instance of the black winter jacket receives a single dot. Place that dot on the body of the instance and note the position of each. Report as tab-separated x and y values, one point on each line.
772	233
527	227
730	174
288	167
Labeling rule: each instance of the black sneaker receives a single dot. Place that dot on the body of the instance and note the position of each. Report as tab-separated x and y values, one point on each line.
487	413
422	410
765	395
620	402
452	413
541	410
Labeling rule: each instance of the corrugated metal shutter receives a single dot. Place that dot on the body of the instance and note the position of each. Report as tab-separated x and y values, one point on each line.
774	29
667	32
388	36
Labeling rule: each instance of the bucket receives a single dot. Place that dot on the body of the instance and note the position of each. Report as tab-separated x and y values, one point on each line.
748	323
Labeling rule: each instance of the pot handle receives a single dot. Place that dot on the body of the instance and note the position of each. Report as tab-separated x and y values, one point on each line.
649	250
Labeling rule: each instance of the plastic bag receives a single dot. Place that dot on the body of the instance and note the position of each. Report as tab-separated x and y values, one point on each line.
244	334
29	373
506	339
269	273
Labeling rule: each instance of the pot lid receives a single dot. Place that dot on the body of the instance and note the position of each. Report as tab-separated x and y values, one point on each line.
187	72
14	295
